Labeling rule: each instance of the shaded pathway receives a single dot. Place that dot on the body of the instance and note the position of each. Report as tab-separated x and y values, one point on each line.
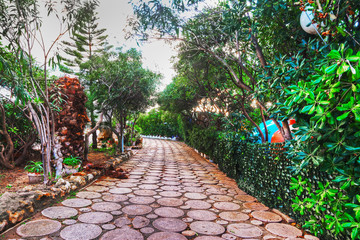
172	193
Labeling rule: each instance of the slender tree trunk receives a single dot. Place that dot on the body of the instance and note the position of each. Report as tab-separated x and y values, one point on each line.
93	124
121	134
26	147
265	127
252	121
287	131
86	150
132	132
6	153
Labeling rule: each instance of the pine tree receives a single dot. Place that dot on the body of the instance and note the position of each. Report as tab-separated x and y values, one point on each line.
87	39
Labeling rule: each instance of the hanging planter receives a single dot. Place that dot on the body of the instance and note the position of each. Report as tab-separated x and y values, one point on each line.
306	22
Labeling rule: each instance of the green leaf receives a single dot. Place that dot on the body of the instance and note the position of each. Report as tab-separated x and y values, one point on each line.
343	116
343	68
353	58
354	233
331	69
306	108
334	54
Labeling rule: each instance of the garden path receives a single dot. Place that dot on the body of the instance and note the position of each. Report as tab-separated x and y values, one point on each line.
172	193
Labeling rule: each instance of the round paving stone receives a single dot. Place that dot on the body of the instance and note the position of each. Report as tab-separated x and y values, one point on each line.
197	196
122	221
167	236
245	198
220	198
170	202
255	206
198	204
229	206
120	190
137	209
59	212
202	215
122	234
105	183
81	231
108	226
95	217
216	191
283	230
228	236
170	194
115	198
69	222
126	185
97	189
140	222
142	200
170	224
148	186
145	192
106	206
209	238
194	189
207	228
116	213
89	195
171	188
147	230
38	228
234	216
266	216
244	230
169	212
76	202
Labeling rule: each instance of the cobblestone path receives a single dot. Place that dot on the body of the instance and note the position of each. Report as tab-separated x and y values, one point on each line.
172	193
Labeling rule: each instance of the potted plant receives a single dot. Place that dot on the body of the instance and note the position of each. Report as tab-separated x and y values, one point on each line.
35	171
71	164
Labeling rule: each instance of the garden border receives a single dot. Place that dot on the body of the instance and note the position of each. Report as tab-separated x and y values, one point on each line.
16	206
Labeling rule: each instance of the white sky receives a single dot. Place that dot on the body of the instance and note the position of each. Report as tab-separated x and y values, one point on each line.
112	16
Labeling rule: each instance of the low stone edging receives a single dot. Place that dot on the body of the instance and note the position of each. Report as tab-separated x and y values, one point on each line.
16	206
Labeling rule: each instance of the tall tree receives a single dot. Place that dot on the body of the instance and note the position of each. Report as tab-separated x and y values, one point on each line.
123	86
87	39
20	25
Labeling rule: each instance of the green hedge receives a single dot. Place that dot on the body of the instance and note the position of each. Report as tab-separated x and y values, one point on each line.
263	171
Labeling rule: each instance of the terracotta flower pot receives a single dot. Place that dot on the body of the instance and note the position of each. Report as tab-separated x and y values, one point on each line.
71	169
35	177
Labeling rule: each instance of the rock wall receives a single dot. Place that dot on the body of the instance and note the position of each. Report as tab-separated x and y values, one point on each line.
16	206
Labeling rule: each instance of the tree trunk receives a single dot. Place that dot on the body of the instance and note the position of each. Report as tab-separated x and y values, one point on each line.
132	132
93	124
265	127
287	131
86	150
252	121
6	152
26	147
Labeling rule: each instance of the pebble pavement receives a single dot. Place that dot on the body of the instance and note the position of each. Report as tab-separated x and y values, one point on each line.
172	193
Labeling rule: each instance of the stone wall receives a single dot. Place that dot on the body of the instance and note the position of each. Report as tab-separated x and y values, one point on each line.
16	206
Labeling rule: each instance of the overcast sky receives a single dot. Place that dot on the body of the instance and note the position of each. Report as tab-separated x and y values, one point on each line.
112	16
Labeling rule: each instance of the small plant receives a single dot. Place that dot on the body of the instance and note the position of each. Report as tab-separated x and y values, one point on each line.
9	186
72	161
34	167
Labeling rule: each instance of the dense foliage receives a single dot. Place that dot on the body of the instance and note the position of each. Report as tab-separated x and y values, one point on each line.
241	63
159	123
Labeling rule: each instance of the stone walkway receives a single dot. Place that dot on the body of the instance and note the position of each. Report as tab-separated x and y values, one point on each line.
172	193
